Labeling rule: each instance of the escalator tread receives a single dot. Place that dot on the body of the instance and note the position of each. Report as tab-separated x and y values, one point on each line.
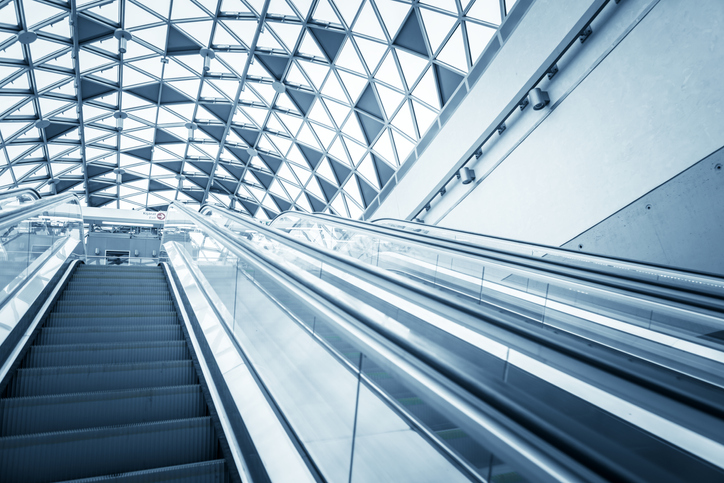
108	390
204	472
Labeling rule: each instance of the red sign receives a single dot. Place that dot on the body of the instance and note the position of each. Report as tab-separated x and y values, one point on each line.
161	216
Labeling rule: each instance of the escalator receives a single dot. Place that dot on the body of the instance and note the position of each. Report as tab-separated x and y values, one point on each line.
108	390
593	400
251	356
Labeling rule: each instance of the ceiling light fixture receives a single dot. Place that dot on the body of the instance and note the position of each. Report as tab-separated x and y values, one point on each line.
191	126
467	175
25	37
120	116
208	56
123	37
119	174
538	98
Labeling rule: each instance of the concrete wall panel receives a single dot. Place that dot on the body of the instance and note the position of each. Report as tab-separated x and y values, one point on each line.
679	224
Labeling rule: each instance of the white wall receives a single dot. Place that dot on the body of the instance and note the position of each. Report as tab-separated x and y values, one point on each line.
637	104
539	32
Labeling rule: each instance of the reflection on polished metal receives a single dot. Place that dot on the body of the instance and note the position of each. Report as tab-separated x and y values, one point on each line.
413	460
424	357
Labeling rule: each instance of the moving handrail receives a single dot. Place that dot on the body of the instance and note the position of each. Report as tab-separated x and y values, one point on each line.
625	274
36	239
589	309
30	192
33	209
353	320
583	351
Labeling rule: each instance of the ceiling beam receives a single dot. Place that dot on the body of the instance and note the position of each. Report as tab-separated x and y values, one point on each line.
76	66
252	48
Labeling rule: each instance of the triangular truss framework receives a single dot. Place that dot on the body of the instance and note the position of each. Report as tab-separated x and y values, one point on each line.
308	104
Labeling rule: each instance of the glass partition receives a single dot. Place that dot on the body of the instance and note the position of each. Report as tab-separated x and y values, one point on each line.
9	200
36	239
515	371
709	284
359	418
31	234
686	338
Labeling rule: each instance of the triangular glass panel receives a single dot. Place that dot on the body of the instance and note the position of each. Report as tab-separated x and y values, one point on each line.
287	33
454	53
368	24
448	81
368	103
410	35
486	10
329	40
389	73
478	38
372	52
437	26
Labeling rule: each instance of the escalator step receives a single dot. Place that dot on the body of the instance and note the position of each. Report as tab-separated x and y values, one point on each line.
100	377
112	278
102	284
106	451
123	333
44	414
205	472
118	274
111	295
105	268
109	353
102	307
95	318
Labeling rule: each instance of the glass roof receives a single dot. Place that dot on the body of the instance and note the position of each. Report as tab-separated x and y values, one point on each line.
306	104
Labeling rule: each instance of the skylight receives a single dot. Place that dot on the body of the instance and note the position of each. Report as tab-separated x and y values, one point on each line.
312	108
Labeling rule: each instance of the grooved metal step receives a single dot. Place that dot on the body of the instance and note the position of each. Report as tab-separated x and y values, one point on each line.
29	415
108	353
115	449
108	390
121	278
103	283
116	307
204	472
100	377
123	333
132	318
139	296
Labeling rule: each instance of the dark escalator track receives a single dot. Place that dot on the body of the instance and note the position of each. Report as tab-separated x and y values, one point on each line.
108	390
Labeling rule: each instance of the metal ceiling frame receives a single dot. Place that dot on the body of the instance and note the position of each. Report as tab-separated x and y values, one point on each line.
264	159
